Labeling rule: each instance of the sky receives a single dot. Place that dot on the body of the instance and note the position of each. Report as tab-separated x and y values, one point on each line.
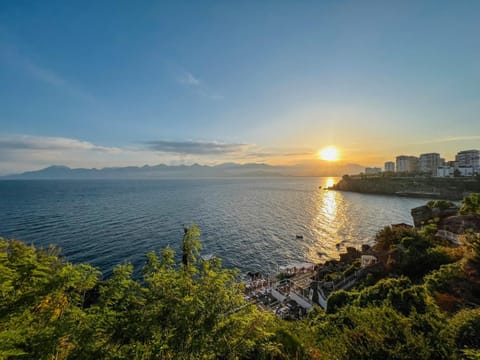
116	83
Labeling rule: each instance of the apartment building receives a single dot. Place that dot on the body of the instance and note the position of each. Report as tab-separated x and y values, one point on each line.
468	161
429	162
406	164
389	166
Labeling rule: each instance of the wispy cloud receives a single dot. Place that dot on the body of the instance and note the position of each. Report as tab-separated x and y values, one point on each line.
27	142
223	151
186	78
450	139
196	147
15	58
257	152
43	74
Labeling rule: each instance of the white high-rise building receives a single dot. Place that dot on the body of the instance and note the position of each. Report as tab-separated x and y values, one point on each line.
428	163
468	159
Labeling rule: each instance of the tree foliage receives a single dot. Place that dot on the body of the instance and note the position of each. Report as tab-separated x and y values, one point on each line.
51	309
379	332
196	309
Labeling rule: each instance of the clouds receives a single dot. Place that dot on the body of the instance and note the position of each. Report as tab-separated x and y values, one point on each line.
61	145
187	79
15	58
215	148
20	153
26	152
196	147
27	142
452	139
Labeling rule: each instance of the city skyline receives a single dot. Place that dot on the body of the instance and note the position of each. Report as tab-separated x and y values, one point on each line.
118	84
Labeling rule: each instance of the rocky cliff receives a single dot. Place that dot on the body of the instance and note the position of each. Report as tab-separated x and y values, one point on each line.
426	187
433	210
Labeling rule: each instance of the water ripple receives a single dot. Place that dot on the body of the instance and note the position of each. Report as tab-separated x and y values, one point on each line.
250	223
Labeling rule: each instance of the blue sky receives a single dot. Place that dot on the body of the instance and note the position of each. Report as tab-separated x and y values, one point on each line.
99	83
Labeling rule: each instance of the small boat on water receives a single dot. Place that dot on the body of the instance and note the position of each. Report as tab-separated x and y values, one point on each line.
299	236
319	187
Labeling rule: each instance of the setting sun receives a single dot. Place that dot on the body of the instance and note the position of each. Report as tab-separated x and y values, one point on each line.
328	154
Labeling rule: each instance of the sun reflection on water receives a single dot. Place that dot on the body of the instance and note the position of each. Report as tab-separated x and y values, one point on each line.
329	182
325	223
328	206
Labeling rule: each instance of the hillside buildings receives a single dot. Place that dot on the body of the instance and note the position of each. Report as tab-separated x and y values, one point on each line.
466	163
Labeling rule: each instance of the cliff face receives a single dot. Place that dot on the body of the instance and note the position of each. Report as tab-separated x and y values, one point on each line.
369	185
427	187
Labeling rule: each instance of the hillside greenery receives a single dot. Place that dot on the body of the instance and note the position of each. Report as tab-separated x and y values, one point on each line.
425	305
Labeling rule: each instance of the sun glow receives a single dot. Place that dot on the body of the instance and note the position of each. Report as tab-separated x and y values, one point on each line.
329	183
328	154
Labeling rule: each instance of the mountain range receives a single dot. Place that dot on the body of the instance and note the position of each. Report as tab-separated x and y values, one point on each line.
195	170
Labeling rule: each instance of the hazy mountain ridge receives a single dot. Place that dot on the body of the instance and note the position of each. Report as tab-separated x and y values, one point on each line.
194	170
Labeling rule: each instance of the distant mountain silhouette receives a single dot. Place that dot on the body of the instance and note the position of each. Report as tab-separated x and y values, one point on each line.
195	170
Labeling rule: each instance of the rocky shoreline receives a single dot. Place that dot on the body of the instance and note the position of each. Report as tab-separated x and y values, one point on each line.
292	294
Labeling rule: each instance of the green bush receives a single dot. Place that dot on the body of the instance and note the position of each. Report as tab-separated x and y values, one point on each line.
463	331
339	299
380	333
470	204
441	204
441	279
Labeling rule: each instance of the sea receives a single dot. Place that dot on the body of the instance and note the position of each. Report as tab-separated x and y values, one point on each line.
253	224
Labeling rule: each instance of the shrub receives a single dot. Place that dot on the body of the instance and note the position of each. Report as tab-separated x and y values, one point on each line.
470	204
463	330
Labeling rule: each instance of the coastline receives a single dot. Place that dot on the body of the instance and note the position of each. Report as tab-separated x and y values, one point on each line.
413	187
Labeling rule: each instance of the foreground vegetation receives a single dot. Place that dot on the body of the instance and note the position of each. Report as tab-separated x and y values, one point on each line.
423	306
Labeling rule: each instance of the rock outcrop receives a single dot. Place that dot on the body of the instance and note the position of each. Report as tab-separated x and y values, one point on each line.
423	214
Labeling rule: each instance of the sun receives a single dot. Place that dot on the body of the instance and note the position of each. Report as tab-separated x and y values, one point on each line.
328	154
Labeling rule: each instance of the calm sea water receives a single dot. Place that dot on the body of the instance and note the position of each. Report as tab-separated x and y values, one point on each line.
250	223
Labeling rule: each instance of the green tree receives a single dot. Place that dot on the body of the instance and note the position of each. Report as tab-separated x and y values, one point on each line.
41	301
190	247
